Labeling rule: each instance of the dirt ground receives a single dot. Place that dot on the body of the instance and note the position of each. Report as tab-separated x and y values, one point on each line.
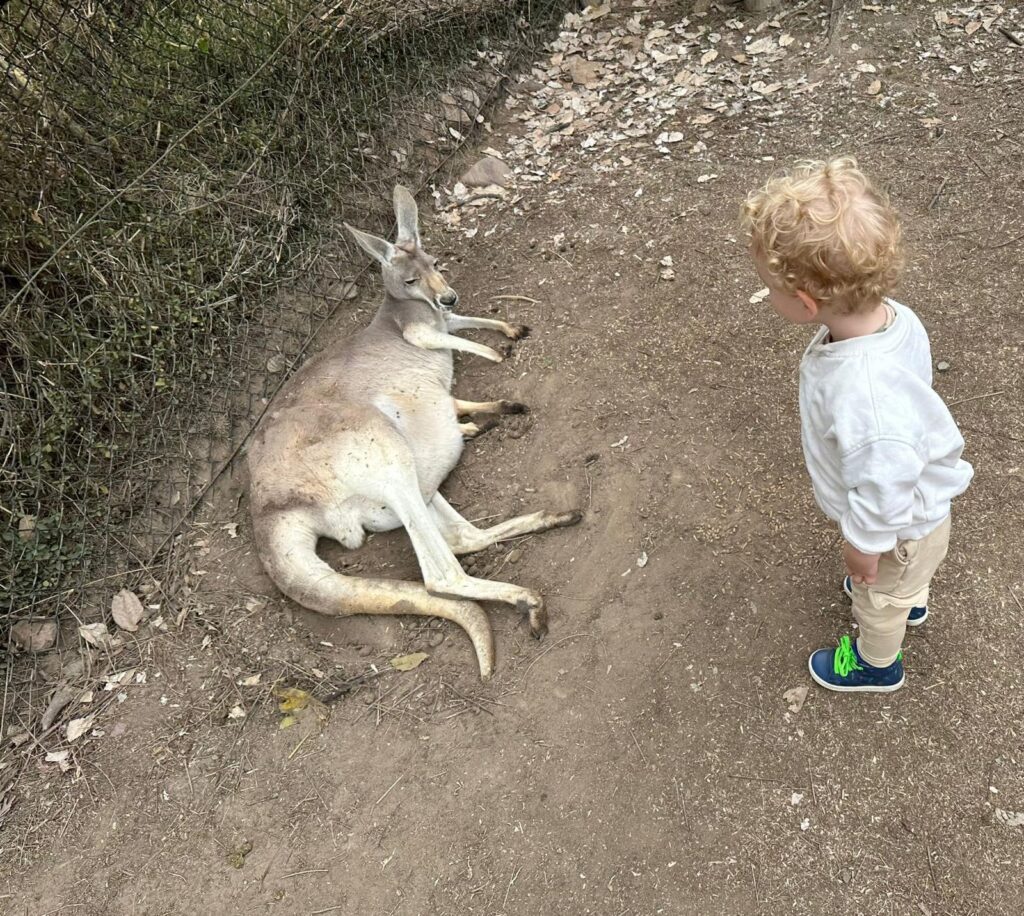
642	759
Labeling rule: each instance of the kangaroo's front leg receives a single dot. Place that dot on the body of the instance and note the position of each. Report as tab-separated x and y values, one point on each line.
464	322
472	408
427	338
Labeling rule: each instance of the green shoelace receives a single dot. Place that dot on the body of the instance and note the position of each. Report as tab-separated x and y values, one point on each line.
844	659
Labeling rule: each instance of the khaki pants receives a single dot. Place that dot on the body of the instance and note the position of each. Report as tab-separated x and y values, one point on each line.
904	574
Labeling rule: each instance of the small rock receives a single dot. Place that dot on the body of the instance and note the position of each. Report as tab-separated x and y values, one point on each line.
487	171
436	639
515	556
658	615
365	651
943	366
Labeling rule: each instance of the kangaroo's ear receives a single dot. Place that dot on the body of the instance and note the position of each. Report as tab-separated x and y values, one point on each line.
378	248
407	216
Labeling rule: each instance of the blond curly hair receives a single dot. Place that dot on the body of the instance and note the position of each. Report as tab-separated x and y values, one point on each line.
825	229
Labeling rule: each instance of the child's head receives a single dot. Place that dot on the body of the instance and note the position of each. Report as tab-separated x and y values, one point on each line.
824	236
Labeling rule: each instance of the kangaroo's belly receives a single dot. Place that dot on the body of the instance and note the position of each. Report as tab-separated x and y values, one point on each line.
430	427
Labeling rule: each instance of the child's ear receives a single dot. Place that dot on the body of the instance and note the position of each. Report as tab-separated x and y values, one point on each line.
810	303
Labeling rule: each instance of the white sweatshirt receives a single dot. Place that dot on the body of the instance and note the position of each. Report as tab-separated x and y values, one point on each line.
881	447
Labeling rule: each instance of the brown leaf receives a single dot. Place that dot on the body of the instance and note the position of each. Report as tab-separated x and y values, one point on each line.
78	727
408	662
34	635
584	72
126	609
27	527
96	634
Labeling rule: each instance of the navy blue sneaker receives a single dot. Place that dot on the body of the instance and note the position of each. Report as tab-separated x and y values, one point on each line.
918	615
843	669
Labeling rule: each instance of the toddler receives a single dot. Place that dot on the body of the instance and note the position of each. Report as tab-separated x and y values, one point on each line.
881	448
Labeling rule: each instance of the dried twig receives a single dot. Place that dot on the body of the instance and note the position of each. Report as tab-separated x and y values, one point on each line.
976	397
938	193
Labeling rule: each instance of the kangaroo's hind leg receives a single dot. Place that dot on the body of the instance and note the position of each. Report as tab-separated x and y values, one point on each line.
464	537
393	481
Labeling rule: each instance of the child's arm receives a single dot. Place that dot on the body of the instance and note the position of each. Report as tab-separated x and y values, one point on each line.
881	477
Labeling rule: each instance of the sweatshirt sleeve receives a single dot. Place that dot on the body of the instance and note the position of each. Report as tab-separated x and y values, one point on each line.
880	477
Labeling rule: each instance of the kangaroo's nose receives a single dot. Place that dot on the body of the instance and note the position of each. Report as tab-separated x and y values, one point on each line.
449	298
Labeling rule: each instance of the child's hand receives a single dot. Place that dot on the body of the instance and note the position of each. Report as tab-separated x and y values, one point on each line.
862	567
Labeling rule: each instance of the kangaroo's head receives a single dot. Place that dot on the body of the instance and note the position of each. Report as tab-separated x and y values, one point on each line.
408	271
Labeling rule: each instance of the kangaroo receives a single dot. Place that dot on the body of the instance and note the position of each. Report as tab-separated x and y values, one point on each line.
361	438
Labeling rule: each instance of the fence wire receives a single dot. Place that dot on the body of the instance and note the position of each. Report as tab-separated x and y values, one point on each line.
171	176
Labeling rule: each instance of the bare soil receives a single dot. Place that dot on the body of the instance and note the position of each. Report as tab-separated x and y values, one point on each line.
642	759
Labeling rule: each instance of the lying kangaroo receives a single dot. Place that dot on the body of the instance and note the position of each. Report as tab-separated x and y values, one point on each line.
361	438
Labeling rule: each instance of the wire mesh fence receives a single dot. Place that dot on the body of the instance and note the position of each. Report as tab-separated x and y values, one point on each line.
172	178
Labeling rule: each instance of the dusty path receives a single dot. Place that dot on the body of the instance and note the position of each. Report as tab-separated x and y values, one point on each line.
642	760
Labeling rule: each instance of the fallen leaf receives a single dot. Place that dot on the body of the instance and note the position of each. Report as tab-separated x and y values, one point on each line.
34	635
875	87
26	527
796	697
704	179
866	68
60	758
972	26
1010	818
250	681
236	712
236	858
785	40
126	609
61	698
643	559
408	662
761	46
292	698
796	798
759	296
96	634
708	56
231	528
78	727
288	722
584	72
277	363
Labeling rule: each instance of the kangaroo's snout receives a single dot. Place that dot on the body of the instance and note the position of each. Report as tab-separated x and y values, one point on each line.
448	298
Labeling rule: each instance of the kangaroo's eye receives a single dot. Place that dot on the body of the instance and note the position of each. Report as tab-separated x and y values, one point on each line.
411	281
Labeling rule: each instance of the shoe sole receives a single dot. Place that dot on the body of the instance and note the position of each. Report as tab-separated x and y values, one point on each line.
910	623
887	689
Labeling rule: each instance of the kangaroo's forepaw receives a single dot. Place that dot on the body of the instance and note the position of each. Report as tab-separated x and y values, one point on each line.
473	430
517	331
505	350
514	407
